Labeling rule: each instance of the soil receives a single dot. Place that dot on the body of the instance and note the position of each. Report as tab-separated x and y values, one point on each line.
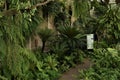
73	72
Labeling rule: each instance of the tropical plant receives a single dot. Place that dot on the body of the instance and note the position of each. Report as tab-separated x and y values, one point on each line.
19	20
99	74
81	9
17	23
48	66
105	67
100	7
45	34
71	36
52	8
108	28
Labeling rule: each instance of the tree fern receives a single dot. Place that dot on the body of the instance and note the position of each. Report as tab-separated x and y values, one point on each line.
45	34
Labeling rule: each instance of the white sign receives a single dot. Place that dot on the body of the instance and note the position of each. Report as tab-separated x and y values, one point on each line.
90	41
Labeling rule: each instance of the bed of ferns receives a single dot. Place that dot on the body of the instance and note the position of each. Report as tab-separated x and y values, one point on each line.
105	65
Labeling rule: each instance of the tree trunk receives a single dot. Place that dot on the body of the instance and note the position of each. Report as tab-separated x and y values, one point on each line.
29	44
51	22
43	46
73	19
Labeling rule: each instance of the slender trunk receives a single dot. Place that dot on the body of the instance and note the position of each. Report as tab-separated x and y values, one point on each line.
73	19
29	44
5	6
51	22
43	46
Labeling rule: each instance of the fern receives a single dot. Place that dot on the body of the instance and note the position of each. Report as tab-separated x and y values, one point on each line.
3	78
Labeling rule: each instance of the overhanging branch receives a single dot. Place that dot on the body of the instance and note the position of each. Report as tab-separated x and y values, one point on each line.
14	11
40	4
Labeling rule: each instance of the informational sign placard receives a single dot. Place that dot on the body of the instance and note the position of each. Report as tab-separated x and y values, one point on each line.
90	41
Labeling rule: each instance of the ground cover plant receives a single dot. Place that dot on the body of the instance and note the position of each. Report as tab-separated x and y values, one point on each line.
106	55
105	65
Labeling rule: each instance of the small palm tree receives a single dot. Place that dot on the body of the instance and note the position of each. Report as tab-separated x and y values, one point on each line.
45	35
71	36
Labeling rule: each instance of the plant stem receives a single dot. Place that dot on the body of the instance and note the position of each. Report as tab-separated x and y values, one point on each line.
43	46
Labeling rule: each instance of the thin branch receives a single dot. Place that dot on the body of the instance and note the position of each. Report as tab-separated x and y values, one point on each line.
14	11
5	4
40	4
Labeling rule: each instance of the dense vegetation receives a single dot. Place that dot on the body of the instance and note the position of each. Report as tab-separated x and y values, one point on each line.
106	53
64	45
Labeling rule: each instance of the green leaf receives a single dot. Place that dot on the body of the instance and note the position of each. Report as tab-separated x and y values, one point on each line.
45	34
3	78
1	34
114	52
1	15
2	46
118	26
39	65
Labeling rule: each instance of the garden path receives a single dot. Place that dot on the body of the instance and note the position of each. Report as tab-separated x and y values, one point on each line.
73	72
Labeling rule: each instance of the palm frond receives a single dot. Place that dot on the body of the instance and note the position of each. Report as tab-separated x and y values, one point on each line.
45	34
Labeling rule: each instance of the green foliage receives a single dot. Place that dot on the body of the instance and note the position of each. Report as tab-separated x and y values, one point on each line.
2	3
105	65
45	35
107	58
14	30
100	7
81	8
19	21
15	58
58	48
69	32
3	78
108	28
47	66
65	57
99	74
71	36
61	19
53	8
100	44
